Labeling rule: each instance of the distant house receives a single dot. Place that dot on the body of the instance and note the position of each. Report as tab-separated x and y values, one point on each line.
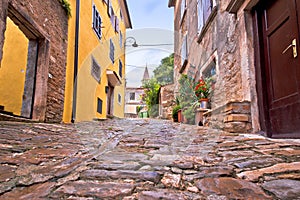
133	100
134	97
250	50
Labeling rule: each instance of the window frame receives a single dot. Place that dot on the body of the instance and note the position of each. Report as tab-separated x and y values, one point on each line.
113	18
130	95
206	17
109	8
121	39
97	22
213	59
119	98
112	51
117	24
184	52
94	73
183	8
99	105
120	68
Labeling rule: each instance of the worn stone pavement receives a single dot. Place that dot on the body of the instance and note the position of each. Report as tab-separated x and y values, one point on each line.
143	159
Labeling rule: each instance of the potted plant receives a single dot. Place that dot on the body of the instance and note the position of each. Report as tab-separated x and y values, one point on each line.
175	112
202	90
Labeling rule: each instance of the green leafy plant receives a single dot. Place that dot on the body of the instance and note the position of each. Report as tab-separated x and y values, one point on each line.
187	97
66	5
151	96
175	112
164	73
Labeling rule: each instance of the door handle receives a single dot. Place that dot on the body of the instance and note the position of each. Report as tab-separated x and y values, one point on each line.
294	46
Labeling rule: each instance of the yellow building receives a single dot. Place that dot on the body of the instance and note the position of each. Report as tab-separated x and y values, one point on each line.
95	82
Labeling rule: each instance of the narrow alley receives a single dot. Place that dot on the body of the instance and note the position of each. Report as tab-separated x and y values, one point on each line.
143	159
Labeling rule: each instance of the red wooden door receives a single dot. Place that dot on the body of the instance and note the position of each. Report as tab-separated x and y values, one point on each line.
281	65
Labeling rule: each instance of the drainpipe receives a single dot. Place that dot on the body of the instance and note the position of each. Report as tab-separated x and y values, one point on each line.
75	62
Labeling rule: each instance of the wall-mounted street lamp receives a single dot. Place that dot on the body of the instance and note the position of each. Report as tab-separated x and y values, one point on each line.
131	40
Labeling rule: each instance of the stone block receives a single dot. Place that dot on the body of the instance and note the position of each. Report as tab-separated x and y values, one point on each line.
237	127
231	188
237	118
238	107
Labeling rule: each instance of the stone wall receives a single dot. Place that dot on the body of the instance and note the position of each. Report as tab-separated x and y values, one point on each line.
234	117
167	101
50	21
226	39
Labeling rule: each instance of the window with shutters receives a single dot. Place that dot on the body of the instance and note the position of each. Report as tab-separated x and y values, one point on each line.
206	10
97	22
120	68
112	51
96	70
183	8
184	53
121	39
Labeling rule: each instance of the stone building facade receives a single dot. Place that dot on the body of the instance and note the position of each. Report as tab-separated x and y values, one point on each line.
45	25
228	40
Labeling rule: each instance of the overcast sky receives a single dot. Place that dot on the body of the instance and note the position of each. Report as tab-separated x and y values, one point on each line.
152	22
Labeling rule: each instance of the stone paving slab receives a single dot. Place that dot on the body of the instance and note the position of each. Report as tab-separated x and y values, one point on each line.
143	159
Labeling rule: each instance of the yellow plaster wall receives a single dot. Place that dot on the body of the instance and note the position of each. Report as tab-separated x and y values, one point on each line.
89	45
13	68
67	114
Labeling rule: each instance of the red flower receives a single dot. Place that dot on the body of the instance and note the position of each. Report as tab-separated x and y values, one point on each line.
202	88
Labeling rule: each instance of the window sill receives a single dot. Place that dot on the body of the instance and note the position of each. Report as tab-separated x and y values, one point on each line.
207	24
234	6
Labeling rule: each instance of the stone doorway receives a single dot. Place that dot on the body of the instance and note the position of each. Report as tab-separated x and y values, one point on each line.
24	67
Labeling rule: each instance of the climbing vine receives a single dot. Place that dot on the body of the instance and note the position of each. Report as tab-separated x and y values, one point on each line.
66	5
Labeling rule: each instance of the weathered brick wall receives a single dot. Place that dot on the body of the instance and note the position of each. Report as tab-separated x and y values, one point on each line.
51	18
167	101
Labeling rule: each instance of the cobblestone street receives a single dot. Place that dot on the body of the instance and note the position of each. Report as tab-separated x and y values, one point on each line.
143	159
